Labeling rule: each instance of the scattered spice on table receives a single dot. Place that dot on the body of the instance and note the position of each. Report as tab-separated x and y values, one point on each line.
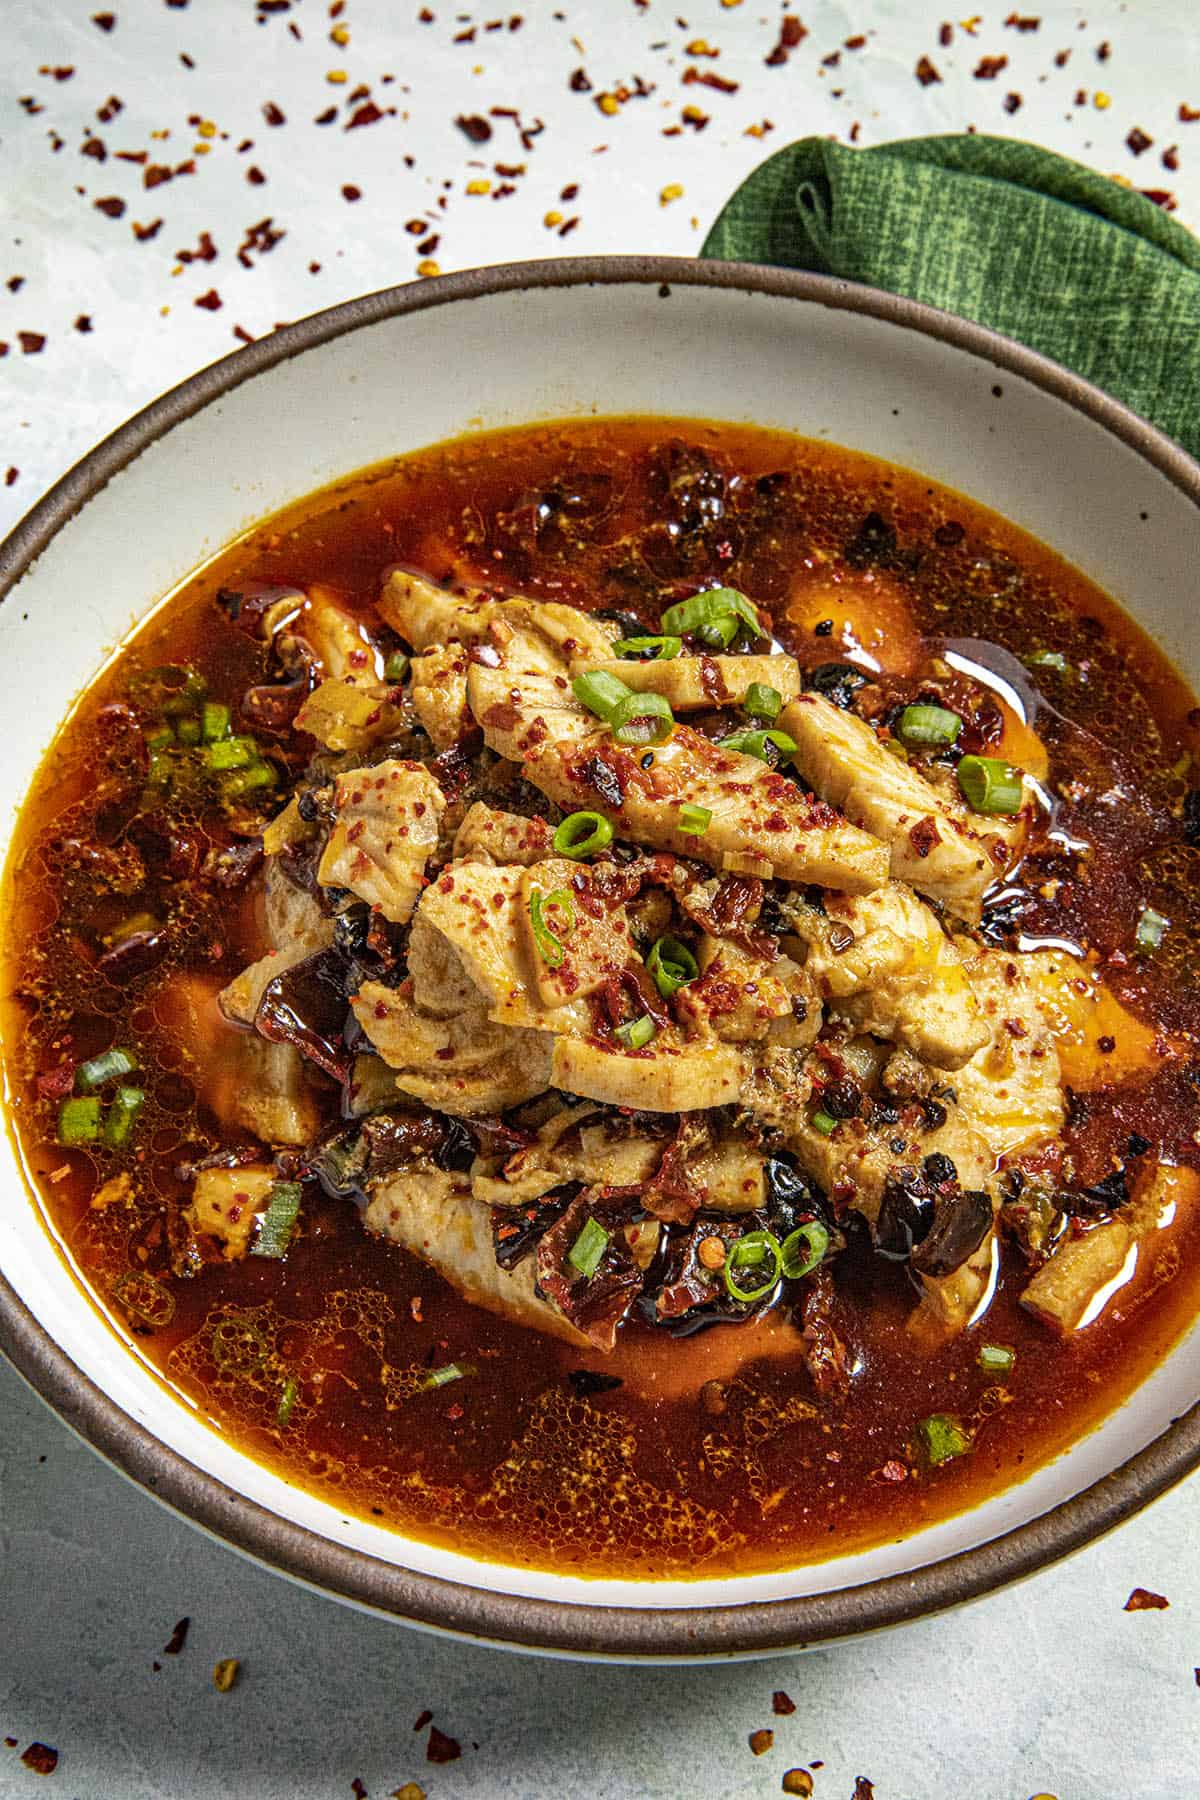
782	1704
225	1674
178	1638
797	1781
41	1758
761	1741
1142	1600
440	1748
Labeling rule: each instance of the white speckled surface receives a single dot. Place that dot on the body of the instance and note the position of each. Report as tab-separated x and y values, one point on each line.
1051	1688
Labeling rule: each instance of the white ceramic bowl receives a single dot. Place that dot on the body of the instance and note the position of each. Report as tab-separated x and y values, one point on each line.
399	370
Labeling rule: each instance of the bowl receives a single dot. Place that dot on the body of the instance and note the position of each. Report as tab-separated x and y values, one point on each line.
404	368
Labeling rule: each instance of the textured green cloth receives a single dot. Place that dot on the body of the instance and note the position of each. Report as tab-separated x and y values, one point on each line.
1040	248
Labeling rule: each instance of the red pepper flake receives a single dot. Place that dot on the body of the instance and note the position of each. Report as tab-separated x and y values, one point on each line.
892	1470
1142	1600
1138	142
1160	197
474	126
945	35
782	1704
1016	22
258	240
761	1741
211	302
423	1721
108	112
366	114
243	336
442	1749
1188	114
112	206
1012	103
255	176
31	342
1170	158
925	72
350	192
791	33
41	1758
855	43
989	67
105	21
1103	52
863	1789
579	83
205	251
94	147
466	37
154	174
63	72
178	1638
274	115
425	16
10	476
143	233
357	1786
709	78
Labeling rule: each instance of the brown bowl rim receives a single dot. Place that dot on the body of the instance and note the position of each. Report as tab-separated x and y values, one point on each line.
623	1633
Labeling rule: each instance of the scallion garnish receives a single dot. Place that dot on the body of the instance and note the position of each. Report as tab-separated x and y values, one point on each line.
642	719
996	1358
990	785
823	1122
586	1252
188	732
752	1252
761	701
694	821
550	947
600	692
1048	659
1150	928
247	781
78	1122
238	1346
455	1371
582	834
754	743
160	739
803	1249
106	1067
943	1438
214	721
119	1120
146	1297
714	615
232	753
287	1400
660	648
396	666
637	1033
278	1222
934	726
672	966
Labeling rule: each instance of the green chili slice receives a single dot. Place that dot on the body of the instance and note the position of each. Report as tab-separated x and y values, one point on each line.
78	1122
588	1249
232	753
761	701
214	721
455	1371
1150	928
145	1297
803	1249
642	719
635	1034
943	1438
600	692
549	947
934	726
990	785
996	1358
661	648
750	1252
719	608
754	743
279	1221
238	1346
693	820
119	1119
672	965
396	666
247	781
97	1070
582	834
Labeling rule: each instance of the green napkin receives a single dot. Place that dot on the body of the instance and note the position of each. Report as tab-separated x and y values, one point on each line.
1038	247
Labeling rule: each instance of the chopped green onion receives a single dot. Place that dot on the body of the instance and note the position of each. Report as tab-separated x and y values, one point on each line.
715	610
214	721
246	781
649	649
997	1358
894	747
238	1346
1150	928
943	1438
162	739
582	834
693	820
396	666
761	701
93	1074
455	1371
279	1221
232	753
159	772
672	965
549	947
642	719
600	692
720	634
145	1297
754	743
823	1122
588	1249
119	1119
189	731
78	1122
287	1400
1048	659
990	785
637	1033
803	1249
750	1251
932	725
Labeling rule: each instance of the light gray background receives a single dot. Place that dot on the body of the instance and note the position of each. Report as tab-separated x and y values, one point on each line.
1050	1688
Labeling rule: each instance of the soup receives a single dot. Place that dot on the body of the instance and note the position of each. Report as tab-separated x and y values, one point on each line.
621	997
